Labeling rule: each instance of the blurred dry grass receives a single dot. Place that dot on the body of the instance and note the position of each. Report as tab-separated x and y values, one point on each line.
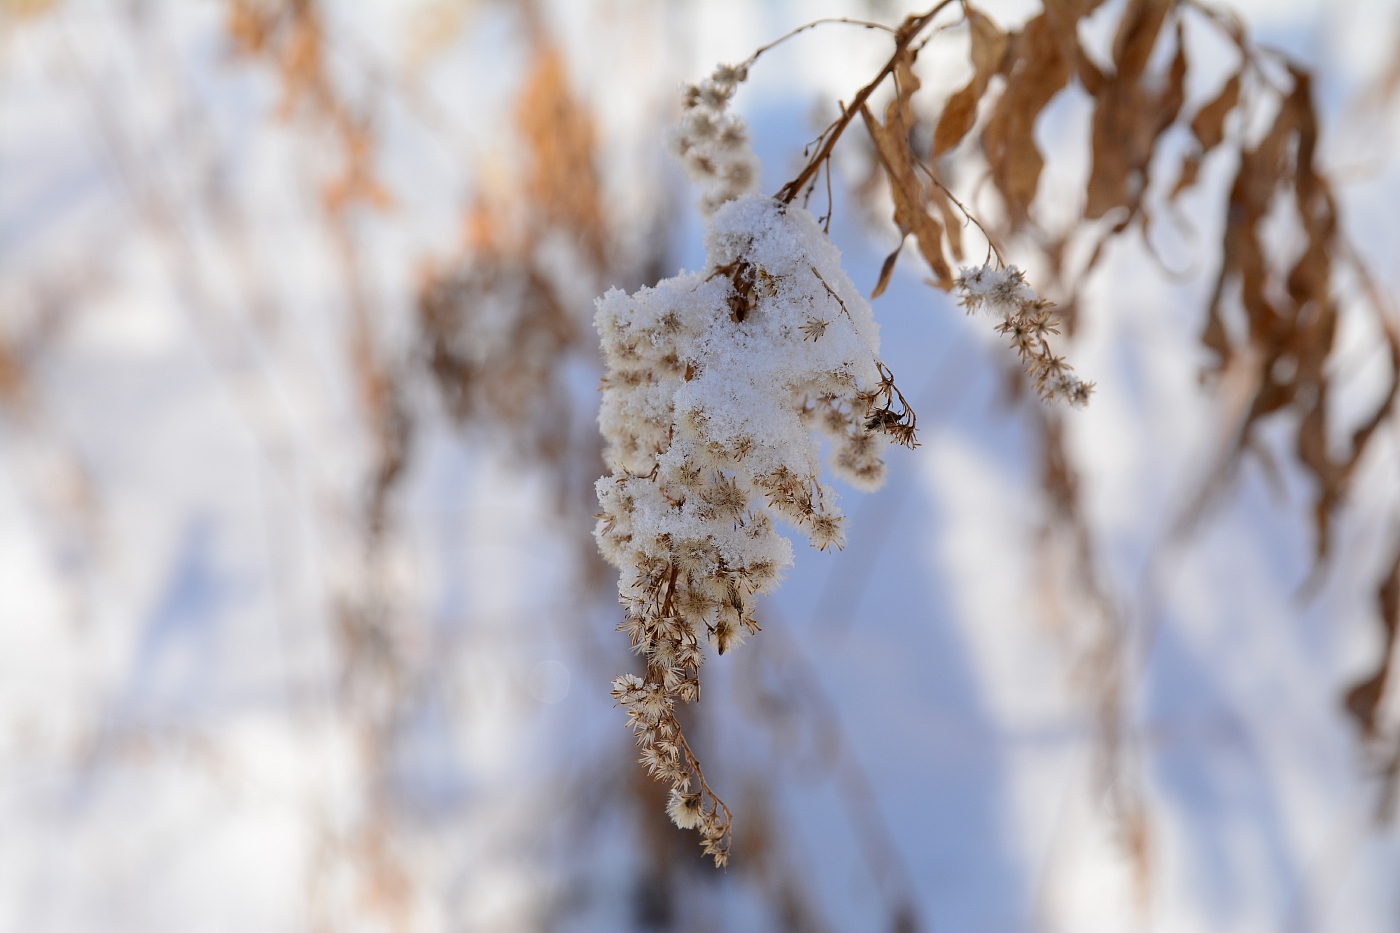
489	341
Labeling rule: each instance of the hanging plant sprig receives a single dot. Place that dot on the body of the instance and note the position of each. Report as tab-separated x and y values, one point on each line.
719	383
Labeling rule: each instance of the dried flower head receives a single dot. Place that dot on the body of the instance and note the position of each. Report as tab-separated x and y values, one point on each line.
1027	320
684	809
715	384
712	143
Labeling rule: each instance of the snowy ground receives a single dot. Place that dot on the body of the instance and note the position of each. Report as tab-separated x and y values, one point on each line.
182	470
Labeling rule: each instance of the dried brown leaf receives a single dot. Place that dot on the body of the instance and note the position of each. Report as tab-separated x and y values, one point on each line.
987	47
1137	36
911	198
562	185
1364	697
1292	333
886	271
1208	124
1129	116
1036	68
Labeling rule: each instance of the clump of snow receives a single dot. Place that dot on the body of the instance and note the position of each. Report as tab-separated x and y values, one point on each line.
712	397
717	383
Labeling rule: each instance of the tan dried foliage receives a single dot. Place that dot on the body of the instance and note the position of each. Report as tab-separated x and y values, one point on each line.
1364	698
1130	115
1292	317
1040	61
562	182
1290	314
1290	308
1208	126
987	47
496	328
911	197
925	207
290	37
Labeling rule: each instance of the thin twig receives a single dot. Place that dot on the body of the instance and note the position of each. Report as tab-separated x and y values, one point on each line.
812	25
965	212
905	35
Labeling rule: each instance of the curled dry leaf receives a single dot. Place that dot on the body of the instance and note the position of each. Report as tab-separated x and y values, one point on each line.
911	197
1037	65
1364	697
1291	324
987	48
1130	116
1208	126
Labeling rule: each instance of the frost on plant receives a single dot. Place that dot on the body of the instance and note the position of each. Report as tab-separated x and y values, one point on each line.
716	383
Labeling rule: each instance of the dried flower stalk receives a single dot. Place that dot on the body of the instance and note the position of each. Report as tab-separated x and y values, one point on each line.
1026	320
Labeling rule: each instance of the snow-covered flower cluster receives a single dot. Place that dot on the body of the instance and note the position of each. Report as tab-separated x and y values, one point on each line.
716	382
1028	319
713	143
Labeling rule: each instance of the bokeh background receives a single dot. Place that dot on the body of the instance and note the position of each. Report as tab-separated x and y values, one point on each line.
301	622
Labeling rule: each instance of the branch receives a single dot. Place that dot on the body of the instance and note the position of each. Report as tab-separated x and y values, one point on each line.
906	34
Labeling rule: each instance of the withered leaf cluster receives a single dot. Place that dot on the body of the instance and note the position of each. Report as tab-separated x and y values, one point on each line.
1363	699
290	35
496	319
1290	313
924	205
1272	319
